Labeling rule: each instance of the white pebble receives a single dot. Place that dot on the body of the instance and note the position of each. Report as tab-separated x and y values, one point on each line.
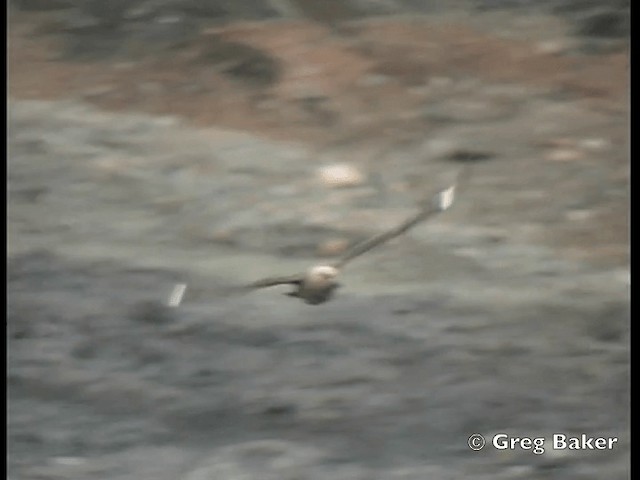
340	175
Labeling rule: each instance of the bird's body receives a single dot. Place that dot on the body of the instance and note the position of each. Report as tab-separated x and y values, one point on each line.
315	286
318	284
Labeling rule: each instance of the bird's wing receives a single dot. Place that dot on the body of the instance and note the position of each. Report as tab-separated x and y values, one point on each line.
439	203
273	281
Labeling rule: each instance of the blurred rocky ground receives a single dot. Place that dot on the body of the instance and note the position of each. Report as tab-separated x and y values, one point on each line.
152	142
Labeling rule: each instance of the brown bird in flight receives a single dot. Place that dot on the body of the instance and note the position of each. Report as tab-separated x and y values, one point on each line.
318	284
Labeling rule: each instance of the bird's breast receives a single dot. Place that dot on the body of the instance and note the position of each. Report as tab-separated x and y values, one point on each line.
314	292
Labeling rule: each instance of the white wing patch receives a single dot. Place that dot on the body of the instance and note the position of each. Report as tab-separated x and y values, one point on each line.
445	198
175	299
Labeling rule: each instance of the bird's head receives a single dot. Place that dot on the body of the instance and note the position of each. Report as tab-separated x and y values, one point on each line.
321	275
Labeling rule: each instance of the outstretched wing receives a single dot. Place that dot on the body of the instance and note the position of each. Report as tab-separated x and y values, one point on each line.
439	203
273	281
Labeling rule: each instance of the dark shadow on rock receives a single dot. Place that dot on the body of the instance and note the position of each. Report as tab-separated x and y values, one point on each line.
241	62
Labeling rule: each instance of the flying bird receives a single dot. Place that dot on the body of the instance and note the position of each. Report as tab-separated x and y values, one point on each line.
318	283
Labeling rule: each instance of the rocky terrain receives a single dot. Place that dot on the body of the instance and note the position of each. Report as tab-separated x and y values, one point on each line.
159	142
